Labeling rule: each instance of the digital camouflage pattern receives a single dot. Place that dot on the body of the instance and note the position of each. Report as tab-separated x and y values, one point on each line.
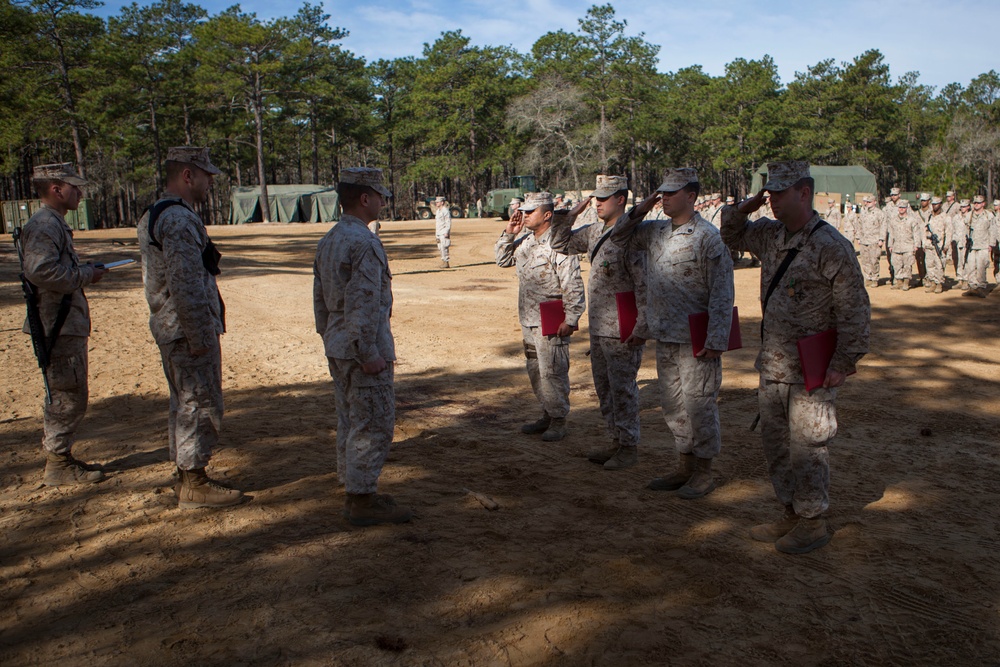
983	234
442	231
352	294
183	296
935	228
796	428
185	314
614	365
352	304
905	234
543	274
547	363
67	375
822	289
366	420
689	393
958	239
688	271
871	233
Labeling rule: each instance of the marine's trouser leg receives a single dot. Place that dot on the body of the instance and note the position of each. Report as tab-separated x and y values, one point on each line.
67	376
196	406
935	266
370	402
796	427
615	367
961	271
976	267
902	264
870	255
444	242
689	390
549	370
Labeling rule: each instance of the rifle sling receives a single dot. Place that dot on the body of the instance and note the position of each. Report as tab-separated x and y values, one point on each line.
782	268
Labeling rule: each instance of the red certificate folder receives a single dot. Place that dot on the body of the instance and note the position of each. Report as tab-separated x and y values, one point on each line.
552	316
815	353
699	331
628	313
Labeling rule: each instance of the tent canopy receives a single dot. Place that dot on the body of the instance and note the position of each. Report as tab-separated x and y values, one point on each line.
289	203
843	180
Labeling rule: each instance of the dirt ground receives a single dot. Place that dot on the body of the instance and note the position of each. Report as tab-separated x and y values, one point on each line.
578	566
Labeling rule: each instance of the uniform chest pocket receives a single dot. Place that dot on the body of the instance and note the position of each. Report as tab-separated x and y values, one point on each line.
682	255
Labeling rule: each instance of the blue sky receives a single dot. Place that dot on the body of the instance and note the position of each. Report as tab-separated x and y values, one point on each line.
945	42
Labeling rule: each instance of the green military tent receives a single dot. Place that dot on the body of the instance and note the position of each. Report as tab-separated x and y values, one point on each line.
289	203
843	180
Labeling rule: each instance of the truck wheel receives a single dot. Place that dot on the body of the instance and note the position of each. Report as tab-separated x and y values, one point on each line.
505	214
424	213
456	212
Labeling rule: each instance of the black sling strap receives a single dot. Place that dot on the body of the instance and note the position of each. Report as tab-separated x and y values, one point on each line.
785	263
154	213
600	242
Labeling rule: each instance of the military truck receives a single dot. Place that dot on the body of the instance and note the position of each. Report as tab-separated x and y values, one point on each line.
497	201
426	209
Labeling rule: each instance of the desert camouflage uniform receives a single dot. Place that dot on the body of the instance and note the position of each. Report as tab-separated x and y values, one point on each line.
186	313
904	238
822	289
614	364
850	224
52	266
442	231
714	215
833	216
958	238
983	236
936	226
688	271
544	275
352	303
871	232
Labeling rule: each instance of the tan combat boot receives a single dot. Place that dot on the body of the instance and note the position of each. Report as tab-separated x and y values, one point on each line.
772	532
929	287
625	457
975	292
678	478
938	288
603	455
64	470
963	285
701	482
894	284
445	265
556	430
371	509
198	490
807	535
904	285
536	427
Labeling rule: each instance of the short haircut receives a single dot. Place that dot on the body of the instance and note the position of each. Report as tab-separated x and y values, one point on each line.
621	193
693	187
807	182
43	185
173	169
350	193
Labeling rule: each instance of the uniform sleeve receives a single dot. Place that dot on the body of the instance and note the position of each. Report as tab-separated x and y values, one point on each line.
42	249
851	309
742	234
320	310
721	292
630	229
362	301
504	250
569	241
571	283
185	282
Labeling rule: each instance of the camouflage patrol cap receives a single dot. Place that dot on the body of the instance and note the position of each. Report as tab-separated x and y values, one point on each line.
716	195
867	199
894	191
965	203
925	196
902	203
829	201
950	193
63	172
935	201
608	185
677	178
515	200
196	155
439	200
996	202
533	200
783	175
730	200
369	176
979	199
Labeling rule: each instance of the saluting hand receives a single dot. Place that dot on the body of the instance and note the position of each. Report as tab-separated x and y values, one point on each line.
516	223
645	206
748	206
579	207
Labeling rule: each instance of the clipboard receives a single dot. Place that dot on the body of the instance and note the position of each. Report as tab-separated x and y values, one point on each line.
699	331
553	315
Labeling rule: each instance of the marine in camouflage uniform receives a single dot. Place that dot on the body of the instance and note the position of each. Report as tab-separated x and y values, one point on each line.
832	216
352	303
179	268
871	237
935	229
958	238
614	270
821	289
904	237
53	267
689	271
442	229
983	236
543	275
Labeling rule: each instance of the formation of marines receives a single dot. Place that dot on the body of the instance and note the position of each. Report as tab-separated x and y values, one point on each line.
669	258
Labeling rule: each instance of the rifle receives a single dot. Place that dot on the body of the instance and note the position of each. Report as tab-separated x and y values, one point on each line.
35	326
